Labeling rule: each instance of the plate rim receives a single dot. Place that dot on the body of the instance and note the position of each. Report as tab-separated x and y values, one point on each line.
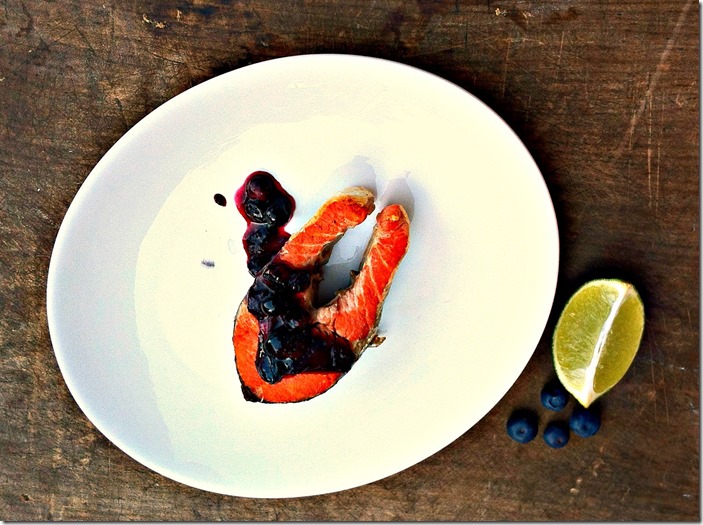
98	171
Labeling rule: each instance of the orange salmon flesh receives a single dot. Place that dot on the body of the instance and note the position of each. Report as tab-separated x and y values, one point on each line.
354	313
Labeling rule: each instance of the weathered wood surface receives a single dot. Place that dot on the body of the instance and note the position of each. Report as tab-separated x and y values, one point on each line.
605	96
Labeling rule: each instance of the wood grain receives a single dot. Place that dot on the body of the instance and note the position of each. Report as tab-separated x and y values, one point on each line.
604	94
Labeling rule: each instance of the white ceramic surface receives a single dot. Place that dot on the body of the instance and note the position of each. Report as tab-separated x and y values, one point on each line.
142	328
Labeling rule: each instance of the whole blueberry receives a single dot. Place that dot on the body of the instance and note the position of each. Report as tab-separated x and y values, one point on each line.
257	262
268	368
257	238
278	211
260	186
254	210
554	396
585	422
556	434
274	344
261	300
522	426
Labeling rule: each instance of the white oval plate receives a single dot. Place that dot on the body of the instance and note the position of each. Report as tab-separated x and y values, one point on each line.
147	272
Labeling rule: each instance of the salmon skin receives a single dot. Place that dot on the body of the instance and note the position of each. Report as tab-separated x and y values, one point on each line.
286	348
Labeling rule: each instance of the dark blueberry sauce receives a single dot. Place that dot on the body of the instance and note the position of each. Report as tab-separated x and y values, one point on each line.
220	199
267	208
289	342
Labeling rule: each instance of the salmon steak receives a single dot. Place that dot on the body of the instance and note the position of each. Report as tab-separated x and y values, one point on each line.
287	347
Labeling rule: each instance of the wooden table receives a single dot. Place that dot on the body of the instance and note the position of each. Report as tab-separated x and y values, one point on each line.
604	94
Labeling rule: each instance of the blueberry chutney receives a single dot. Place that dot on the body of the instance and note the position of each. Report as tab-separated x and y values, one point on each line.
289	341
267	208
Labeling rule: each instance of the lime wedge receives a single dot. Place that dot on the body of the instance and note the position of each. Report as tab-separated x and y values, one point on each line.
597	337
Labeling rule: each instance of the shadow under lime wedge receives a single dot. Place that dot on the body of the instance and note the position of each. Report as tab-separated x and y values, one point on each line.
597	337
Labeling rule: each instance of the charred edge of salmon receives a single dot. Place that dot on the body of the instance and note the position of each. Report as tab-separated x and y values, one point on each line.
392	231
250	395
